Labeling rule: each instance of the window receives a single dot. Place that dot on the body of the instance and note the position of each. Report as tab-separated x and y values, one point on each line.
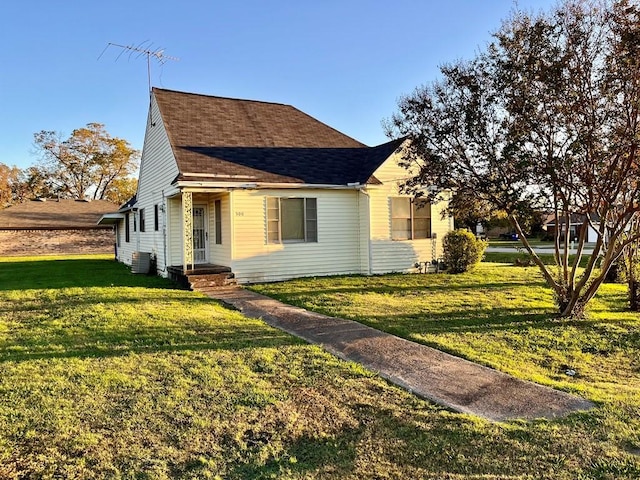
127	227
156	218
142	223
217	210
135	221
410	219
292	220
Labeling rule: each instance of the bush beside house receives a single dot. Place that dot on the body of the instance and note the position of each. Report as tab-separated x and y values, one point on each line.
462	250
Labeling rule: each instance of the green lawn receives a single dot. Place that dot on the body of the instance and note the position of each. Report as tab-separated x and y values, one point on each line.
104	374
503	316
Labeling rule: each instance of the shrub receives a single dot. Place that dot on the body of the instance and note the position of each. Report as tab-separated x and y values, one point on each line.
462	250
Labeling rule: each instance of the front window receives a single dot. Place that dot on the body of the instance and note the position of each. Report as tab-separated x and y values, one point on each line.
410	219
292	220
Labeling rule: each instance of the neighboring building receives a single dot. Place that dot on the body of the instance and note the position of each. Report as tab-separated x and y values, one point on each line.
575	223
271	193
55	226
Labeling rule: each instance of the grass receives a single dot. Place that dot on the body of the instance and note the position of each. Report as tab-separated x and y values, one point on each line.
104	374
503	316
510	258
516	243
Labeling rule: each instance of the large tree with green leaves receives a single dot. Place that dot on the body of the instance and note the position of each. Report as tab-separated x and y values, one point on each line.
90	163
546	118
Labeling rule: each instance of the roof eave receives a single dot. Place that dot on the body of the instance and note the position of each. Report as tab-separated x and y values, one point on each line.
110	218
187	185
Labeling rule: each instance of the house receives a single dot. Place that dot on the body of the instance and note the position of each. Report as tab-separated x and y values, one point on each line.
575	223
48	226
269	193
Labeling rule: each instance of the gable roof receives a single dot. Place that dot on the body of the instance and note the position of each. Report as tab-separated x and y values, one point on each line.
54	214
225	139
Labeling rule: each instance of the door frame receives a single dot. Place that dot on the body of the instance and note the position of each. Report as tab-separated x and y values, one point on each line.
205	219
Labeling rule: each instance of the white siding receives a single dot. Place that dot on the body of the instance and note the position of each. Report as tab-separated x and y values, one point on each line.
364	207
158	169
389	255
220	254
337	250
126	249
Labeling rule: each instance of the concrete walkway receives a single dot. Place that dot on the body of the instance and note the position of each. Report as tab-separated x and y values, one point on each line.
447	380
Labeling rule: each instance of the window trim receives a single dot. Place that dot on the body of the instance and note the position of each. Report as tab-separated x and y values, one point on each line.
310	205
412	218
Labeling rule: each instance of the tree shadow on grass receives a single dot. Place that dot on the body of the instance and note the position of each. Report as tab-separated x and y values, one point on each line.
69	273
429	441
478	321
99	325
304	456
296	294
97	343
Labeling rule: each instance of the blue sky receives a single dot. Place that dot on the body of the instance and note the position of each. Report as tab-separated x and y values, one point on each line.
345	62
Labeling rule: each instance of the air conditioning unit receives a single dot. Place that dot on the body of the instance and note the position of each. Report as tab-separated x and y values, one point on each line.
140	262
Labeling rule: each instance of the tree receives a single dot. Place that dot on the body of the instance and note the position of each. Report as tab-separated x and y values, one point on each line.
467	210
629	266
9	185
122	189
546	118
88	164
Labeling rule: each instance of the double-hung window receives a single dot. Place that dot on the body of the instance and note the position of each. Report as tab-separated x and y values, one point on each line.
410	219
292	220
143	225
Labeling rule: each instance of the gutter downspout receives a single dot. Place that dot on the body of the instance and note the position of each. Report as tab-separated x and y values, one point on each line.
164	207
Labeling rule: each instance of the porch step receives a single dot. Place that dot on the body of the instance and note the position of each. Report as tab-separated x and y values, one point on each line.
203	277
201	282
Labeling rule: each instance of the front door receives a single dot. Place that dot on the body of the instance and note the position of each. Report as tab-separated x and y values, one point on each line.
200	234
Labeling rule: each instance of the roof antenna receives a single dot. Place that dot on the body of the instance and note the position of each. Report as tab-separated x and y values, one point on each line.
142	49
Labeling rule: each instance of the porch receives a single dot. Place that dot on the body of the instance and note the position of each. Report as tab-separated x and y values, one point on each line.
198	232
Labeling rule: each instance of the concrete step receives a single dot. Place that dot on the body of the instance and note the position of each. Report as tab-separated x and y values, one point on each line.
216	280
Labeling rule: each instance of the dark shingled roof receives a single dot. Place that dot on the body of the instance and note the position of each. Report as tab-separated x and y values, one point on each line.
55	214
224	139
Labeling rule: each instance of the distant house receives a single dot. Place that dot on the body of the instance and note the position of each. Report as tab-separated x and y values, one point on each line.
575	223
269	193
54	226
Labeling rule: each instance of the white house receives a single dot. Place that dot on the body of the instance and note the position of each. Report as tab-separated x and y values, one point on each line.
270	193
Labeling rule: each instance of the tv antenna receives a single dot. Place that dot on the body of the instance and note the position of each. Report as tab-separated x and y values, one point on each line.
140	50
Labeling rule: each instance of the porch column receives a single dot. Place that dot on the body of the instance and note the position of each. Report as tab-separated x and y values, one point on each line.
187	230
